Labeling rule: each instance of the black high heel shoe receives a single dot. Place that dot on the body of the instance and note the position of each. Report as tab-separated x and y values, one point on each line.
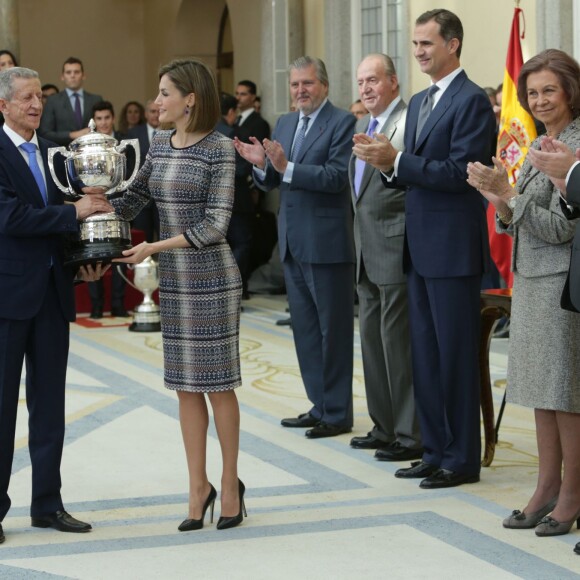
231	522
188	525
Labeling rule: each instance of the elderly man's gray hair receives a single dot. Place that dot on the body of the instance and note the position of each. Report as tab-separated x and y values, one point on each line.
7	77
306	61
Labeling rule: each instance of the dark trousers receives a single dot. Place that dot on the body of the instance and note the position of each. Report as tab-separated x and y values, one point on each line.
445	319
118	285
239	237
321	299
42	341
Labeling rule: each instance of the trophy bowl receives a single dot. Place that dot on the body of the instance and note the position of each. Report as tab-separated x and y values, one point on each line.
96	160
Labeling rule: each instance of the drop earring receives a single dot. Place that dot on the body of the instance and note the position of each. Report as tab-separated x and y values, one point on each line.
187	110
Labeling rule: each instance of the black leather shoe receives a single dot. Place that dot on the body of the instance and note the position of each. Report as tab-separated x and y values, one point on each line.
368	442
304	420
96	313
576	547
326	430
418	469
2	536
119	312
398	452
284	322
61	521
447	478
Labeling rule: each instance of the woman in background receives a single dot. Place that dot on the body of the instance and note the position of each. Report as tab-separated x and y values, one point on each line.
132	114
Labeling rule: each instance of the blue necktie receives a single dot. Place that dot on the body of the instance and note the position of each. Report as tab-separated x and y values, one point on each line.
426	108
360	165
299	139
78	110
30	148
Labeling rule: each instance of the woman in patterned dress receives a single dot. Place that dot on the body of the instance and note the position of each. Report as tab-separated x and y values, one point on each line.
544	358
189	172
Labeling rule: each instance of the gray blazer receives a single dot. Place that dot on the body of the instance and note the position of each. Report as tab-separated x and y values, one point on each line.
379	212
542	234
58	118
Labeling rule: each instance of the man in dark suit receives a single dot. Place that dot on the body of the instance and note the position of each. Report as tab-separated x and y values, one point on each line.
379	227
67	114
104	118
249	123
37	298
447	126
148	218
307	159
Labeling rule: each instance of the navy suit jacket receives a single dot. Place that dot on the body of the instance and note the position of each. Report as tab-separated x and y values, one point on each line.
140	132
58	118
315	218
31	236
446	231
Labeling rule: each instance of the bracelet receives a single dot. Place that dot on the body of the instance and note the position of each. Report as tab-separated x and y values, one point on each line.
505	218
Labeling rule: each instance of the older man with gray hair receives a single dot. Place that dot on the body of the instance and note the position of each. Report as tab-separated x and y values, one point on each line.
37	298
307	158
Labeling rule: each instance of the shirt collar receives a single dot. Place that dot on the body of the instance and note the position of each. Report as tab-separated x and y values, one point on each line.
312	116
70	93
18	139
382	118
245	114
444	83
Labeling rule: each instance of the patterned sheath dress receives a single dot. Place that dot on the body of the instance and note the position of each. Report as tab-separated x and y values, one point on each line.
200	287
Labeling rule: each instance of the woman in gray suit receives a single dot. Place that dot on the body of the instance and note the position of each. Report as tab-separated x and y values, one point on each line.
544	359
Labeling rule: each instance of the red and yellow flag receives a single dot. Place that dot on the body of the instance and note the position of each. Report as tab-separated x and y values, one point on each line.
516	133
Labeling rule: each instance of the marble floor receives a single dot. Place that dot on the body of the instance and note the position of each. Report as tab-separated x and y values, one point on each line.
316	509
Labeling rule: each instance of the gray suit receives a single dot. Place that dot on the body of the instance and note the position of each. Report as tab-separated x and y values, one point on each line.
379	228
58	118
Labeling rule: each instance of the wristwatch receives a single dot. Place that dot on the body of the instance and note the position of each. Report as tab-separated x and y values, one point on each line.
512	202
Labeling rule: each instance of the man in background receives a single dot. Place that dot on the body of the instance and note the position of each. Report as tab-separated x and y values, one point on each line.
67	114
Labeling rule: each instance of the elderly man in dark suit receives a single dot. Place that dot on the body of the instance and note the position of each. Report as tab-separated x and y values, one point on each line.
307	159
37	298
448	125
379	227
67	114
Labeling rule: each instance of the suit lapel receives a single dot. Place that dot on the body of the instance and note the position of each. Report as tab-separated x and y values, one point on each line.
387	129
440	108
317	129
26	184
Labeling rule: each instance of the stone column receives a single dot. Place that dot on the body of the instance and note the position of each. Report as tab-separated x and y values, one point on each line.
337	48
9	32
555	28
282	42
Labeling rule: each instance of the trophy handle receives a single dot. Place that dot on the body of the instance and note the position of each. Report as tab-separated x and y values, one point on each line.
120	148
120	272
51	153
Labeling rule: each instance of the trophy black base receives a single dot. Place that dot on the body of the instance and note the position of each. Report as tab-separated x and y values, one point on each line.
95	252
145	327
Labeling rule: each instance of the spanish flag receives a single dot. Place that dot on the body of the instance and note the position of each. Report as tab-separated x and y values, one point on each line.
516	133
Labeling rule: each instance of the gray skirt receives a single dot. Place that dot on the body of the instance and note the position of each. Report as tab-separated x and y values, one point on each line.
544	350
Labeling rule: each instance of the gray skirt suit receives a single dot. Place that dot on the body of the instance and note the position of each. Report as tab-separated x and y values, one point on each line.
544	350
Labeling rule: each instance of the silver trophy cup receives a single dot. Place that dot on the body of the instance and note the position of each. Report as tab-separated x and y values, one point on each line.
146	316
96	160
